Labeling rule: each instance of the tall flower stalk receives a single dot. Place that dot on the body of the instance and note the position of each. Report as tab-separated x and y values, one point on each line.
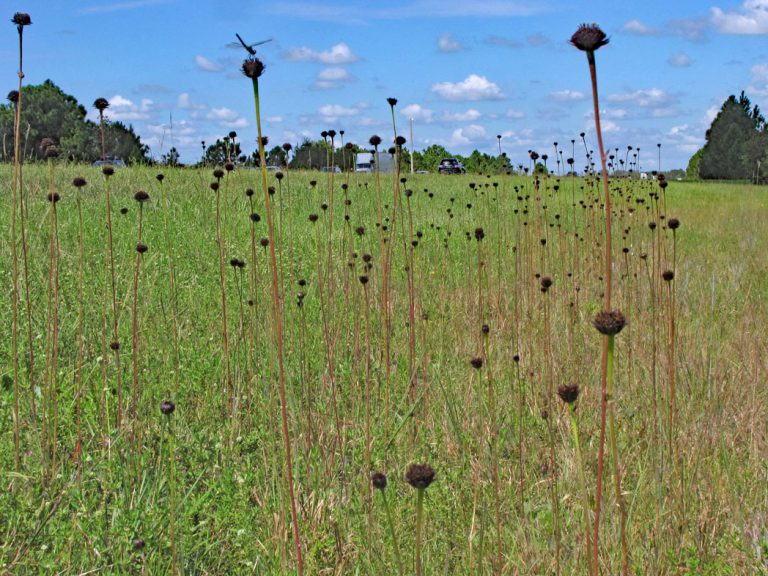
253	68
589	38
21	20
141	197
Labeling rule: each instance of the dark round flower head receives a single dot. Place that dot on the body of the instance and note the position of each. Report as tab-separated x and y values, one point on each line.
141	196
141	248
546	282
138	544
101	104
568	393
668	275
13	96
218	173
287	146
589	37
420	476
21	19
313	218
107	170
379	480
392	101
78	182
264	141
479	234
279	175
476	362
114	346
400	141
673	223
363	279
253	67
255	217
123	211
232	135
264	242
53	197
229	166
214	186
374	140
249	192
160	177
610	322
360	230
167	407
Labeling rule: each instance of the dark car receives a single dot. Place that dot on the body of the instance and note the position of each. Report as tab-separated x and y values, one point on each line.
450	166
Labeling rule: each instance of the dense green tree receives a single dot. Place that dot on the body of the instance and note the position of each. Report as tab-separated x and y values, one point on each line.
735	142
224	150
315	154
48	112
171	158
429	158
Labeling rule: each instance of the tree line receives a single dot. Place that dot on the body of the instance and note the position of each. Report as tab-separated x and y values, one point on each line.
736	146
48	112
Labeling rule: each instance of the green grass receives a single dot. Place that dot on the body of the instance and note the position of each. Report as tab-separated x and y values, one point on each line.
232	513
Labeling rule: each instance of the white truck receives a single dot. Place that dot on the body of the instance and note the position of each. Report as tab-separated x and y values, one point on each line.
366	162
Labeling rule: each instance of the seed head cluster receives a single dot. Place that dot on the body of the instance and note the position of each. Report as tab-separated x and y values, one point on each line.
420	476
609	323
589	37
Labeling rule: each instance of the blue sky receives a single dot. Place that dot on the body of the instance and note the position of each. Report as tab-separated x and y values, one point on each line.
464	71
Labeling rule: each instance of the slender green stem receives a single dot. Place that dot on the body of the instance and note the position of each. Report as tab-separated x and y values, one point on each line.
419	522
607	353
582	481
279	334
617	466
395	544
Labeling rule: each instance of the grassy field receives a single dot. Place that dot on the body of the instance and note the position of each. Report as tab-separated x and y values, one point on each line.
450	354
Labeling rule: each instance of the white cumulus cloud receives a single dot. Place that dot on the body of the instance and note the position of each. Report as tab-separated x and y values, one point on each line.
759	80
469	135
448	43
330	78
184	101
330	113
123	109
418	113
470	115
638	28
751	18
472	88
566	96
679	60
651	98
339	54
206	65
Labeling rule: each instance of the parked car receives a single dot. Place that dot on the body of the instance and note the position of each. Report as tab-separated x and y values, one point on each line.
451	166
335	169
114	162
